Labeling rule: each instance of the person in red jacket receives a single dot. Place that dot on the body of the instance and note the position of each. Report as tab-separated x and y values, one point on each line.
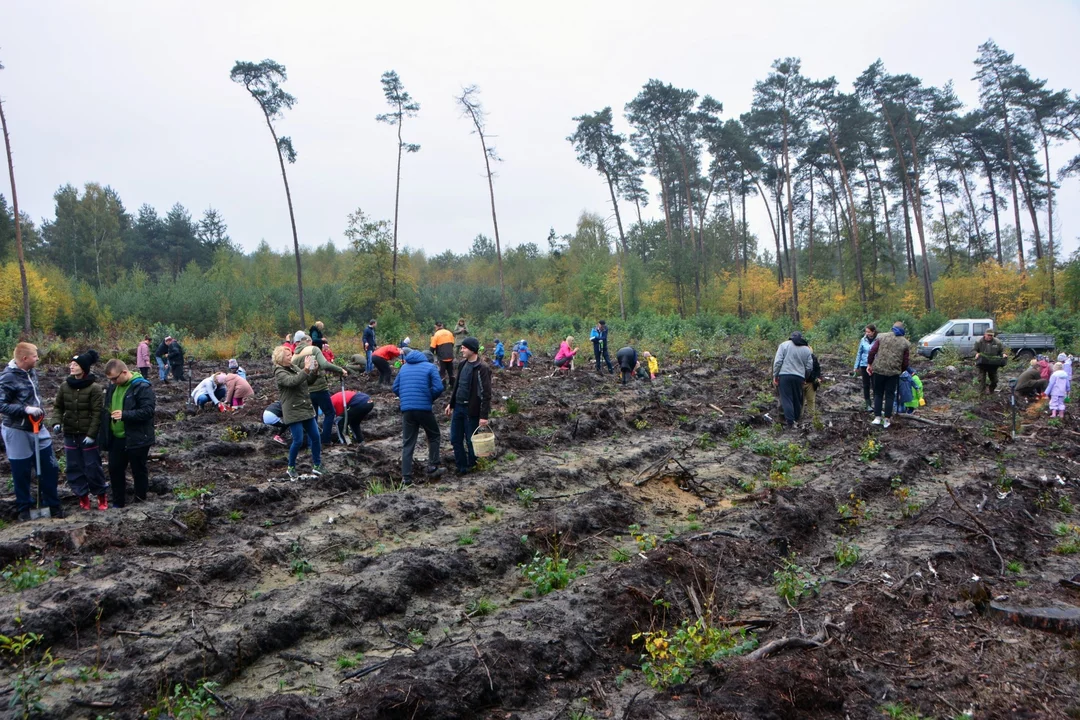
358	404
381	359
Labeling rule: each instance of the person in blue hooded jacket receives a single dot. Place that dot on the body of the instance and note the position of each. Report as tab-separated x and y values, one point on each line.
417	385
862	359
598	336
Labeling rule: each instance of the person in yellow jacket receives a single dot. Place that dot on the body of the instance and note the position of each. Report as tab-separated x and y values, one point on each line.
654	366
442	347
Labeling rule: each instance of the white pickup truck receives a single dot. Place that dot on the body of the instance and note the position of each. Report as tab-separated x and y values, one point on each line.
962	333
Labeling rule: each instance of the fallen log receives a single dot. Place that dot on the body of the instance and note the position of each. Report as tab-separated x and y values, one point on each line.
1060	620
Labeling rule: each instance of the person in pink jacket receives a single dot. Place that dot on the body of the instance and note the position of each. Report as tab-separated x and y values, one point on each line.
564	359
237	389
142	357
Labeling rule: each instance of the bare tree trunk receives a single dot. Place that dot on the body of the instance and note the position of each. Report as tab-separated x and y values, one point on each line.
944	213
917	205
397	197
622	237
971	205
885	212
1029	200
695	243
909	243
839	241
873	228
1012	176
292	219
772	226
495	222
742	194
994	206
1049	219
18	224
791	226
856	249
735	245
810	241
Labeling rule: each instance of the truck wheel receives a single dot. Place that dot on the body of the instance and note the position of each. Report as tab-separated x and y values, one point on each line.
934	354
1025	356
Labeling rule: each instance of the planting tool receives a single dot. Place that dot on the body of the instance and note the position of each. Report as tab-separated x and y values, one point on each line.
344	414
38	513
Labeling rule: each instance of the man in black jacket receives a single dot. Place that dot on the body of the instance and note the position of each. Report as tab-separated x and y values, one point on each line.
470	403
173	353
127	429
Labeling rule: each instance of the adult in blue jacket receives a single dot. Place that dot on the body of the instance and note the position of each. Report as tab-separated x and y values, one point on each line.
417	385
369	342
598	336
862	359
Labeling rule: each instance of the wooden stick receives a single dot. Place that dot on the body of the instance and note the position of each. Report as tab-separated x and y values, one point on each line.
299	658
480	657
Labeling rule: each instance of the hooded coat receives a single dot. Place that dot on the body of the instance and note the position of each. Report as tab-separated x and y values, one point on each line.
417	383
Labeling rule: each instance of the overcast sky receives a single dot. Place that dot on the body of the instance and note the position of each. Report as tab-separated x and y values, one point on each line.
137	95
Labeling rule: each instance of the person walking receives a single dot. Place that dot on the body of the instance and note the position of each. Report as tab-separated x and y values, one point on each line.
599	339
78	406
888	358
297	411
862	356
369	342
237	389
358	404
442	345
418	384
318	388
470	403
381	359
628	363
126	430
173	352
142	357
811	385
990	354
21	407
792	364
499	353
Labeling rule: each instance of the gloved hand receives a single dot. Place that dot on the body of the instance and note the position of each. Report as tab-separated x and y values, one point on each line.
34	411
56	428
221	407
88	441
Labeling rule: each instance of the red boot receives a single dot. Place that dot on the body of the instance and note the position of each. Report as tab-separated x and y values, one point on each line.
102	502
84	502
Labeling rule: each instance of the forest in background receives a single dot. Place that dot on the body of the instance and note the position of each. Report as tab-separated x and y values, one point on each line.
891	200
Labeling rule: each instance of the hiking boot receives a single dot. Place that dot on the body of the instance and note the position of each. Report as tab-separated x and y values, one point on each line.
280	440
876	420
292	474
24	516
317	470
886	424
102	502
84	502
435	470
406	481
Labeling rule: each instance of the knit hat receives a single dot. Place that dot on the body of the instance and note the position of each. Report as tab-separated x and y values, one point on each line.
471	343
1062	357
168	338
86	360
796	336
233	364
405	342
298	336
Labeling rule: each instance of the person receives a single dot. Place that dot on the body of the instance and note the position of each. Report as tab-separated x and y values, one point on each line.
917	399
418	384
318	387
293	376
628	362
990	355
173	352
564	359
811	385
405	344
237	389
793	363
442	345
1030	384
514	352
126	431
1066	365
598	336
1058	390
652	363
234	367
369	343
499	353
78	407
862	356
272	417
327	352
460	330
206	393
163	367
1045	369
317	334
142	357
524	355
470	404
381	359
21	407
288	342
358	404
888	358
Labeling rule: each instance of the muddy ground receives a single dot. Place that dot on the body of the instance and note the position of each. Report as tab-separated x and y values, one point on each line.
328	599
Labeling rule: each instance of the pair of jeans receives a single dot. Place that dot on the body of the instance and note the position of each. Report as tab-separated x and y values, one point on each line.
384	369
320	400
599	353
462	426
162	369
885	393
791	397
311	429
85	475
867	383
21	471
411	422
356	415
119	459
368	353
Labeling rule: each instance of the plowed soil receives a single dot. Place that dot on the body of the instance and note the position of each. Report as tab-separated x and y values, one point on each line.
324	598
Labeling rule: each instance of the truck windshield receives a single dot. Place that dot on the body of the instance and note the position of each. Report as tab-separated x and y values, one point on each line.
941	330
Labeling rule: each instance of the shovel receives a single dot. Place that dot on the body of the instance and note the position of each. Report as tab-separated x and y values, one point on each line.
39	512
344	414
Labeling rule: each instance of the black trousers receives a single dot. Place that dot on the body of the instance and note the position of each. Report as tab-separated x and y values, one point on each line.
356	414
867	384
119	459
178	370
411	422
383	367
885	394
444	366
791	397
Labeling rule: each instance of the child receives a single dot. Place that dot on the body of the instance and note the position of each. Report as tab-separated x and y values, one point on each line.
654	366
523	355
1057	389
500	353
514	352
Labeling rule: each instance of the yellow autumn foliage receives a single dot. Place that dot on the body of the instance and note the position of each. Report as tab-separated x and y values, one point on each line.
48	293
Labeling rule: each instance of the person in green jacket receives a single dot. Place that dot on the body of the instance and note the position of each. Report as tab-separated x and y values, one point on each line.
317	385
296	409
78	405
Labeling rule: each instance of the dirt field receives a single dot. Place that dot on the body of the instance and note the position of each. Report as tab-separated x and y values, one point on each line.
673	500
